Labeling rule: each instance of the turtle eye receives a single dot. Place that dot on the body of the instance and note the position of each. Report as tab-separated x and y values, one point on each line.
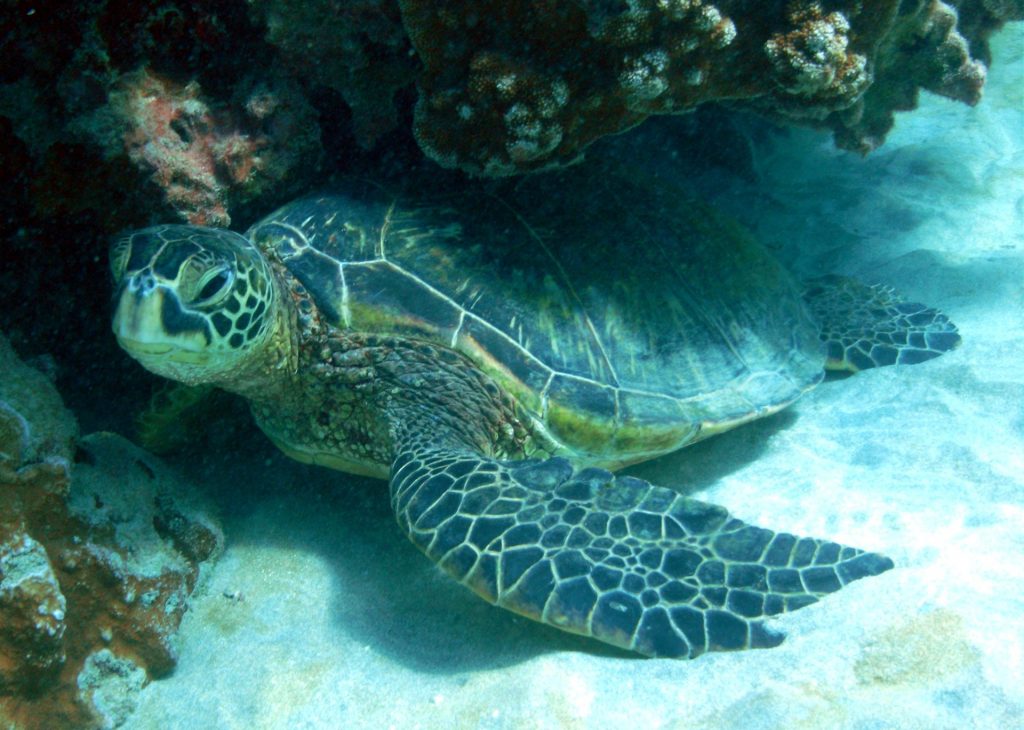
214	287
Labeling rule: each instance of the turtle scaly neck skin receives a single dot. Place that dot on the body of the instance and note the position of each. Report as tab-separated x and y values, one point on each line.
358	396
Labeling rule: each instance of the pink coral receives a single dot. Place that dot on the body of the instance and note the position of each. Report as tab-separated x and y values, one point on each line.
173	133
206	156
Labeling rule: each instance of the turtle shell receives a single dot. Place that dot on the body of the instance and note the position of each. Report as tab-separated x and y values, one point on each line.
626	318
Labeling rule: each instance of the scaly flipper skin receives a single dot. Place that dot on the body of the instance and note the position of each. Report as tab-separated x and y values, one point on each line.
871	326
613	557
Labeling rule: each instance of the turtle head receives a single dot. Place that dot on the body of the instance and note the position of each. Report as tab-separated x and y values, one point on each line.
192	304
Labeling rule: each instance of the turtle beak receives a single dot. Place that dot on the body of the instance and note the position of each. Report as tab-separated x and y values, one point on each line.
148	324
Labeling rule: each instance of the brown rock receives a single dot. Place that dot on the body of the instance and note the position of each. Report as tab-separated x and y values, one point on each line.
97	561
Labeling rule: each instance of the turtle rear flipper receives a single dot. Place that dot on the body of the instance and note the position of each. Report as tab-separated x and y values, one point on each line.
871	326
179	416
175	416
612	557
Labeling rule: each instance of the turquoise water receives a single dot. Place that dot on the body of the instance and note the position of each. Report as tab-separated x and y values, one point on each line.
343	625
320	614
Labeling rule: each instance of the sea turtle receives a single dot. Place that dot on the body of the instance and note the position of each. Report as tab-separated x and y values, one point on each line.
495	351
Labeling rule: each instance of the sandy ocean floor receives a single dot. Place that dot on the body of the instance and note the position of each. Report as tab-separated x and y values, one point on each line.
321	615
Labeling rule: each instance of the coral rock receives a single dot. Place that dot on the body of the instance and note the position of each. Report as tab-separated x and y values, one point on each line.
357	47
33	607
110	685
220	106
814	61
97	561
47	429
180	94
514	86
206	157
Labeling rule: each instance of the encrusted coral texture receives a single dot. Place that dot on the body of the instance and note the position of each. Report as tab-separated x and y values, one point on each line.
213	109
517	85
185	95
206	156
99	552
356	47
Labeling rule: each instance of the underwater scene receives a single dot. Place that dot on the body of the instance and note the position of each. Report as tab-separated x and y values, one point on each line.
686	336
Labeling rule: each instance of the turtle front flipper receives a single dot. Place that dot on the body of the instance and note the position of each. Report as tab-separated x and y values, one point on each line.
870	326
613	557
